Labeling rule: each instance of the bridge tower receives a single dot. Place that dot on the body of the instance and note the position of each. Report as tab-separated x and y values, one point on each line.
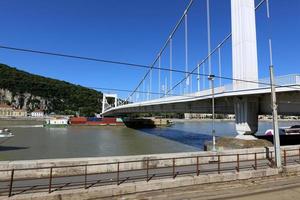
244	64
109	101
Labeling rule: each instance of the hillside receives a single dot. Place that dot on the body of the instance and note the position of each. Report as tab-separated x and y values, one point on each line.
28	91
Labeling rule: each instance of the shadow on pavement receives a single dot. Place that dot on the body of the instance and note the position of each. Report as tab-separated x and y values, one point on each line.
11	148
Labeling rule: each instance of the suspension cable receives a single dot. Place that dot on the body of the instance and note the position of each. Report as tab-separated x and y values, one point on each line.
166	43
186	51
220	66
213	51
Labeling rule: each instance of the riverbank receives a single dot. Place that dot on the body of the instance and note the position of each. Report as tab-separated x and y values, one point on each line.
21	122
40	121
230	120
114	176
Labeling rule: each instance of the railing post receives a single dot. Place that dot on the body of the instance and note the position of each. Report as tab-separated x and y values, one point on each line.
255	158
118	173
219	164
173	167
284	157
271	155
11	182
255	162
50	180
85	177
198	171
237	162
147	169
299	154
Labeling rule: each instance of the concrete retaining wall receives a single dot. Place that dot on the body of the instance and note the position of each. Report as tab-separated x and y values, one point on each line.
137	162
142	186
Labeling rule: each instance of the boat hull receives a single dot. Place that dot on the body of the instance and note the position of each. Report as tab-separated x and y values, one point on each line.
55	125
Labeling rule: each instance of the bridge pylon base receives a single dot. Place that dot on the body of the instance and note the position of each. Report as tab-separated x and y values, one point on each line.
246	116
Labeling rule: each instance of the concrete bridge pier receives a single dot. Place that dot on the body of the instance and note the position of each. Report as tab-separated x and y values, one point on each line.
246	116
245	66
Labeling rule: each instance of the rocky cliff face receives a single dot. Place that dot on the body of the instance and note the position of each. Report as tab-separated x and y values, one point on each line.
24	101
29	91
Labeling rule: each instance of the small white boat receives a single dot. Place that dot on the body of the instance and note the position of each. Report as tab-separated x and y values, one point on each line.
59	122
5	134
292	130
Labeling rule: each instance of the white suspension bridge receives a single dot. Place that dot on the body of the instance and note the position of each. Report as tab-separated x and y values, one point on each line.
246	96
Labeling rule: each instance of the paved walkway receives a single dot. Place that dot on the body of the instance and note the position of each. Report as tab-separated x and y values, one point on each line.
94	180
271	188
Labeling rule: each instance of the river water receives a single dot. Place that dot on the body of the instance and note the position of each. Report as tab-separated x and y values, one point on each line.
34	142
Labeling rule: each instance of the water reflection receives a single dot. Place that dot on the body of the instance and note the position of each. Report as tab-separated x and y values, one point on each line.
185	137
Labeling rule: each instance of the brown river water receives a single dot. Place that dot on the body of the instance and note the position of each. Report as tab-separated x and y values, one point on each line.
36	142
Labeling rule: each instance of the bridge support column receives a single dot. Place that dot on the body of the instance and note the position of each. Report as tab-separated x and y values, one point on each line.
246	116
244	65
244	47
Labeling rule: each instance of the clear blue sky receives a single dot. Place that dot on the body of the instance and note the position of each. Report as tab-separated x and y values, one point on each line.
133	31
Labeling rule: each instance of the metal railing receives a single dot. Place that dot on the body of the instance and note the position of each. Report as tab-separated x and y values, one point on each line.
285	80
148	169
120	172
291	156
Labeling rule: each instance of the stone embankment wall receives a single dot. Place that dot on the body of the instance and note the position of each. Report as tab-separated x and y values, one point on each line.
61	167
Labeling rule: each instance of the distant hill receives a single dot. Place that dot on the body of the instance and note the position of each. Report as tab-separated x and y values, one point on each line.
28	91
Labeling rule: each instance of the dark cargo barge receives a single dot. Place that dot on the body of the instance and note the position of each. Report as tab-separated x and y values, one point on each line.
94	121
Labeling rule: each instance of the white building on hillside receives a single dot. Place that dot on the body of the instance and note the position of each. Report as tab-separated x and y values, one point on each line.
37	113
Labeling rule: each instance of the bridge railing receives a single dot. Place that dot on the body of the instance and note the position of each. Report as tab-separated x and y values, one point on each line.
298	79
285	80
49	179
291	79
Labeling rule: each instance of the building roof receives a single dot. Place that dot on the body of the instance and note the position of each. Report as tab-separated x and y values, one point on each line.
20	110
38	111
5	106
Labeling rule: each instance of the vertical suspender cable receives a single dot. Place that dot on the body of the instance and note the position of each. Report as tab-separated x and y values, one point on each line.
148	93
268	9
171	52
208	36
166	86
159	66
198	78
220	66
150	84
137	96
191	83
203	71
186	52
143	91
180	88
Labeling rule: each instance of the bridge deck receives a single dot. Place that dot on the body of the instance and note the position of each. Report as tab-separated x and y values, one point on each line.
288	83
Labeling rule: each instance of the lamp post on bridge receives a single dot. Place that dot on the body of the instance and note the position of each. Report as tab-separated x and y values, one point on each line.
211	78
